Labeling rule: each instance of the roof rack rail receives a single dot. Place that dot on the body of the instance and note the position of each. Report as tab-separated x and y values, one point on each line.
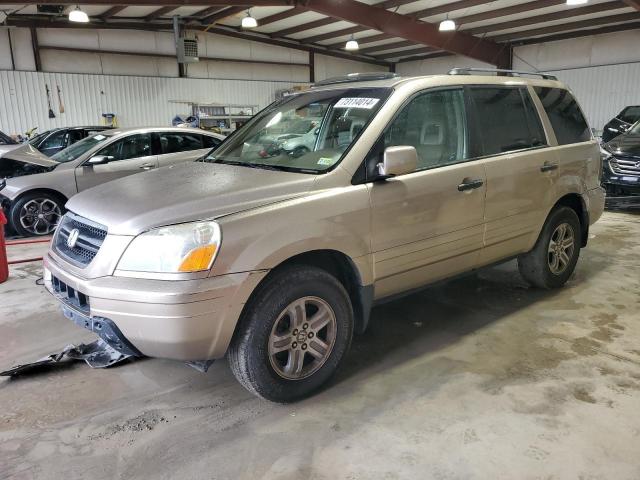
500	71
357	77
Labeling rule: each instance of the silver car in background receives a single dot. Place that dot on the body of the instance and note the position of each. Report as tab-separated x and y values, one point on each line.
34	188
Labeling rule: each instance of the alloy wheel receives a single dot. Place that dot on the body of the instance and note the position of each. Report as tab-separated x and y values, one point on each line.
302	338
561	248
40	216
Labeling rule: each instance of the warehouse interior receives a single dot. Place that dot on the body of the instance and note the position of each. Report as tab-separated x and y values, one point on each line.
477	371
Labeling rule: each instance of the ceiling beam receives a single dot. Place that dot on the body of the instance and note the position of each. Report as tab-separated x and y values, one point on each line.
161	12
334	34
568	13
292	12
567	26
221	15
176	3
424	57
111	12
410	29
406	53
387	46
366	40
623	27
40	21
633	3
304	27
206	12
512	10
447	8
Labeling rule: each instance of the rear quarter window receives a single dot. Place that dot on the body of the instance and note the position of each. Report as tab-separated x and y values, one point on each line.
564	114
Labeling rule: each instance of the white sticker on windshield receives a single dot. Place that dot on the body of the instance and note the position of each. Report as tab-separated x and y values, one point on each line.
99	137
357	102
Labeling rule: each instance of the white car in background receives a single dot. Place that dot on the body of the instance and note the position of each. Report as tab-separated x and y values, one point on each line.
35	187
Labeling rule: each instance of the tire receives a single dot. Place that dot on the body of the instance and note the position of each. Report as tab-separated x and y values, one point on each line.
544	266
36	214
272	321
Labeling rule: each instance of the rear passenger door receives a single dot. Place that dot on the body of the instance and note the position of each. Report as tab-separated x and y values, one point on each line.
520	168
178	147
427	225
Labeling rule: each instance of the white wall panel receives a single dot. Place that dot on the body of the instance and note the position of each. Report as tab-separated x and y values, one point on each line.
22	49
327	67
136	100
438	65
5	53
602	70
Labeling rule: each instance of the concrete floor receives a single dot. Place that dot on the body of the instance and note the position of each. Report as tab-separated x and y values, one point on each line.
481	378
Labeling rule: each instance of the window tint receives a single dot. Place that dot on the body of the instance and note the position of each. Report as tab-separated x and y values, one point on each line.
173	142
538	136
76	136
630	114
133	146
210	142
503	120
433	123
565	115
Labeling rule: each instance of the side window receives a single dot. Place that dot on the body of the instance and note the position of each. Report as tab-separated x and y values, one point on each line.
564	114
538	137
55	140
433	123
209	141
173	142
76	136
502	120
133	146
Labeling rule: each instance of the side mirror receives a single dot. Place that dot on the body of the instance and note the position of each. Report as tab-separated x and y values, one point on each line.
398	161
100	159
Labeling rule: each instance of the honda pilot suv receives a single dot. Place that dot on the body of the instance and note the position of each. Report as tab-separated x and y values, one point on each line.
277	261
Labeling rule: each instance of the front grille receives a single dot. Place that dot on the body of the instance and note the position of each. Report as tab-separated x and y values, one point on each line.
625	165
90	238
70	296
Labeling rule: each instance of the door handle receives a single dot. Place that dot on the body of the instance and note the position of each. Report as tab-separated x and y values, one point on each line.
146	166
548	167
470	185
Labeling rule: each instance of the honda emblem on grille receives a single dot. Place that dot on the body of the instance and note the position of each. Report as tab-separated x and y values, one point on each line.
73	238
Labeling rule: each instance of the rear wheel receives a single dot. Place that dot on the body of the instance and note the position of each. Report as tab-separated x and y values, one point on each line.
554	257
293	334
36	214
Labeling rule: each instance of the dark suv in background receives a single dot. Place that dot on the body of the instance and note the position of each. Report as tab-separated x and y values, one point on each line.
621	123
621	163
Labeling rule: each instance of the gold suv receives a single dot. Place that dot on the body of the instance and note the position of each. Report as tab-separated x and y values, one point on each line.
275	256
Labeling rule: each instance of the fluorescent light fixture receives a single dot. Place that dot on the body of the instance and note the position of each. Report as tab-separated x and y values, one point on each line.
78	16
447	25
249	21
352	45
576	2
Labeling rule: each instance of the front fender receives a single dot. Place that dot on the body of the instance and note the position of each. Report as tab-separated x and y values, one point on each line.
335	219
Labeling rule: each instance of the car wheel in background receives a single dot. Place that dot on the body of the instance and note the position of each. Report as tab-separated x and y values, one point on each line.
294	333
36	214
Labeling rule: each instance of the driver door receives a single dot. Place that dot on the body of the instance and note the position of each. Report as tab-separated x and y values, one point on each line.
124	156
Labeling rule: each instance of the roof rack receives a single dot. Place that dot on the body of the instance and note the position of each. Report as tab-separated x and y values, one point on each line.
357	77
500	71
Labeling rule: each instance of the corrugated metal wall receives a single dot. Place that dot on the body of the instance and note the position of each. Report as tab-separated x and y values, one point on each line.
136	101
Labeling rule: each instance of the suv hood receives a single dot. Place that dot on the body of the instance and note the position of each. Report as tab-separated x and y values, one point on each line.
625	145
183	193
27	154
8	148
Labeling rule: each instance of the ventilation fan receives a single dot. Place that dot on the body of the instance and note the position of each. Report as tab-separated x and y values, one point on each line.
187	50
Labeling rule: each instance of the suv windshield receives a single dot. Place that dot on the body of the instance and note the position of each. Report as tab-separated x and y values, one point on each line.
308	132
79	148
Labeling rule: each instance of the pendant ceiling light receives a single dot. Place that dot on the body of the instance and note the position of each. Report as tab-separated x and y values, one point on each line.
447	25
352	45
249	21
78	16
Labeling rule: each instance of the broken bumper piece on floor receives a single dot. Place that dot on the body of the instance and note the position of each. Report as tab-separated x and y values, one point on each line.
97	354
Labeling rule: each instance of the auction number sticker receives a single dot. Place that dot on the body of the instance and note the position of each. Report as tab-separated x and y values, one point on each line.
357	102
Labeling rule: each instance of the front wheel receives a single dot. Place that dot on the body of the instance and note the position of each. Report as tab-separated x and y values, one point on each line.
293	335
36	214
554	257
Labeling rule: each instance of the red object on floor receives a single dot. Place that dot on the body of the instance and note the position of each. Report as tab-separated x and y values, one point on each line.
4	265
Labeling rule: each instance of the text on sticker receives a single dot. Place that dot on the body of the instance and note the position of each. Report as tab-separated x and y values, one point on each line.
357	102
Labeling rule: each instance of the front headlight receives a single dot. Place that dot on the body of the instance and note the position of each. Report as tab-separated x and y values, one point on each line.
187	247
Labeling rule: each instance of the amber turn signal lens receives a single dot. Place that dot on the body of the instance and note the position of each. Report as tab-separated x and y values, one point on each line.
198	259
